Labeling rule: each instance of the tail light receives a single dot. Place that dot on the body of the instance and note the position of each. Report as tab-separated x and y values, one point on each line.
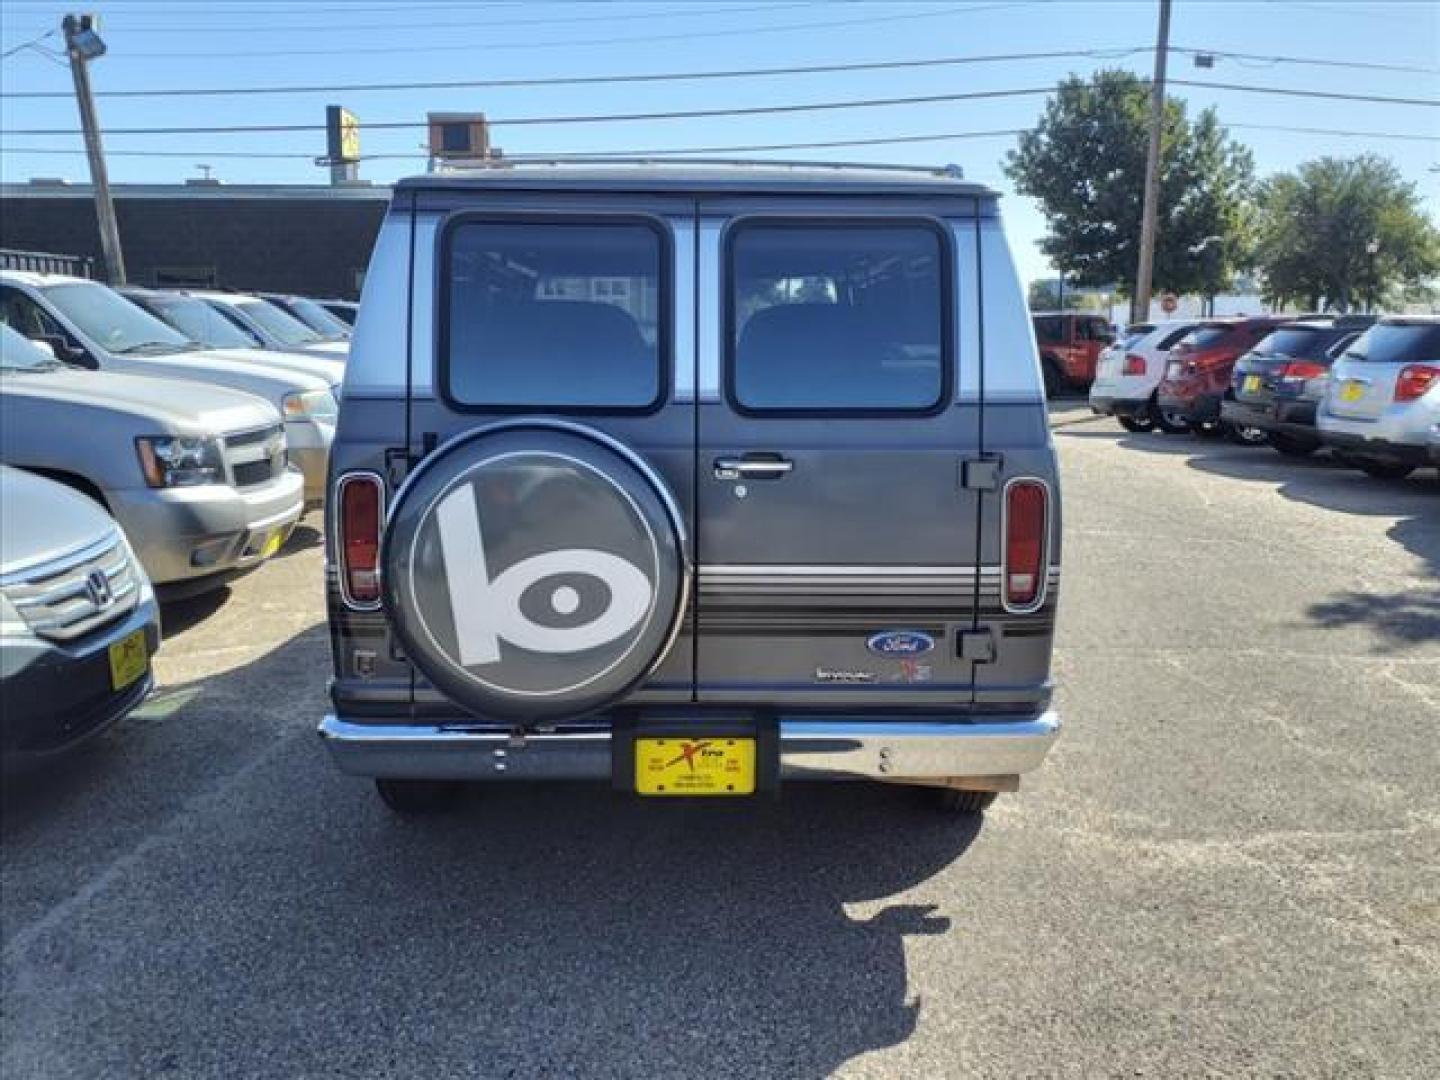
1414	380
1134	365
1300	370
361	497
1027	532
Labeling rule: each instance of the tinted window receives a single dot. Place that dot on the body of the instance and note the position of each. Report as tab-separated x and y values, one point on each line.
1170	340
553	315
1299	342
1095	330
1050	330
1203	337
1397	343
831	317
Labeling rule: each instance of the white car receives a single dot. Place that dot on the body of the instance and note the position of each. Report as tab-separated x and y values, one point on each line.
274	328
91	325
1382	404
1129	372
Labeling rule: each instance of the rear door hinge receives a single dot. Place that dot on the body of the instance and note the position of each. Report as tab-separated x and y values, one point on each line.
981	473
980	646
397	466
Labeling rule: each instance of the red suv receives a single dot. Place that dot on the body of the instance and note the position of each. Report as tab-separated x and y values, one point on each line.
1197	378
1070	344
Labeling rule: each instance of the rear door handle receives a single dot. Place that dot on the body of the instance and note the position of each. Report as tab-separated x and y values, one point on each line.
752	467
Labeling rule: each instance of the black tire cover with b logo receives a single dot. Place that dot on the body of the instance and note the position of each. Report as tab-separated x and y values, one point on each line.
534	571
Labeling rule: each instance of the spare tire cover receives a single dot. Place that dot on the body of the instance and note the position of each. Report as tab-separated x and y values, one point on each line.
534	571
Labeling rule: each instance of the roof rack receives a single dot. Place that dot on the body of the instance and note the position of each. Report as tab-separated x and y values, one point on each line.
949	172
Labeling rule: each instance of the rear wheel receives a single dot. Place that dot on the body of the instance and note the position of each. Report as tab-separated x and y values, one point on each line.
954	801
1169	423
1208	429
1249	435
416	797
1137	424
1384	470
1054	381
1293	447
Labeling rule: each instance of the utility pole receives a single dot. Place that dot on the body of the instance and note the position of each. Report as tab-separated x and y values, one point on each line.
1140	306
83	44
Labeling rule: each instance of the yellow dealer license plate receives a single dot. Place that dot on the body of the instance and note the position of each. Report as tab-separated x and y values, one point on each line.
1352	391
700	766
1252	383
272	543
128	660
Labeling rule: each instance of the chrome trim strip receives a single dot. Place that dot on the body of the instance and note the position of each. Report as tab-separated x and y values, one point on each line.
810	748
27	572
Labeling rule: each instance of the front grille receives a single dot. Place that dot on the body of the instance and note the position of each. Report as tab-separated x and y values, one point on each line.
255	457
68	598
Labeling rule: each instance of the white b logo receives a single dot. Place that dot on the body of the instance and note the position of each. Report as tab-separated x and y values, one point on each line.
487	610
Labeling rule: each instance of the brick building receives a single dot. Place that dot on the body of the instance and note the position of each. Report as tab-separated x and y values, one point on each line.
309	239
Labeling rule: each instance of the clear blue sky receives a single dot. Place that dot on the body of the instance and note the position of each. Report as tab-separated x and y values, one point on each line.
158	44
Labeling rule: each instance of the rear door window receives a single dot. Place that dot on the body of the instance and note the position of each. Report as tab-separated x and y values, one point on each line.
838	317
1050	330
553	315
1205	337
1397	343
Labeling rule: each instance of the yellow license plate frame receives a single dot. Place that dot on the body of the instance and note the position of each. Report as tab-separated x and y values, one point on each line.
716	765
129	660
1252	384
1352	391
273	543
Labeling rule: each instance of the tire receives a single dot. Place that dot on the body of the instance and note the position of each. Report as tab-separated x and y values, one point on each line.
1247	435
965	803
1208	429
1384	470
418	797
1138	424
1293	447
1055	384
1169	423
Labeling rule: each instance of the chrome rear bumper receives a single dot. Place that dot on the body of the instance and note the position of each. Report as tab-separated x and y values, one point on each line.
811	748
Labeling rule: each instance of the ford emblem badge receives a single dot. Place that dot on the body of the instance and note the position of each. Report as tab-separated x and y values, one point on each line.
900	643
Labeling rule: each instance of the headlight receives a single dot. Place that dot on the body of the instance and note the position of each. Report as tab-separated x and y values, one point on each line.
310	405
11	623
181	460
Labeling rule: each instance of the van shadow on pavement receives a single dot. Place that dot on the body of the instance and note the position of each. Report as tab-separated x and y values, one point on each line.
282	919
1400	619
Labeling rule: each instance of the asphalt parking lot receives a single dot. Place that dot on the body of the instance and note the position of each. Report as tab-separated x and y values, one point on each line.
1231	865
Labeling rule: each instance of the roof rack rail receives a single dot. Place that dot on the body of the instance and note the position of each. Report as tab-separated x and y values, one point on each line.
950	172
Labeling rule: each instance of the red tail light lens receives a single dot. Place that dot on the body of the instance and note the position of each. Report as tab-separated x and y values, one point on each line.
1027	514
1414	380
1302	369
361	509
1134	365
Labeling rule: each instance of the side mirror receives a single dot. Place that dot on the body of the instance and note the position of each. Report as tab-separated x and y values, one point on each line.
65	351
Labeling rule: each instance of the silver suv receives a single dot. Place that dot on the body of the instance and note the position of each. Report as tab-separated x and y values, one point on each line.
196	475
695	480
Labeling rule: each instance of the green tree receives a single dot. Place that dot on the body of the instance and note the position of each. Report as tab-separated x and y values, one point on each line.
1085	164
1343	233
1044	294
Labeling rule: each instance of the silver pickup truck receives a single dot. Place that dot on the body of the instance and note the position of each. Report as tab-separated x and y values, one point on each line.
91	325
196	475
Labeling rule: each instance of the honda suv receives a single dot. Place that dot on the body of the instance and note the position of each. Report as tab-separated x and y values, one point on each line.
695	480
1383	401
1197	377
1277	385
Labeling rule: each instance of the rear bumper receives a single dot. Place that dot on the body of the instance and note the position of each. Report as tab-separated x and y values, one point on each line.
1284	418
810	749
1409	453
1118	406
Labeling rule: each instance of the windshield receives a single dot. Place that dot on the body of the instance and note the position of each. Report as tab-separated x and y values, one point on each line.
1397	343
198	321
19	353
317	318
286	329
112	322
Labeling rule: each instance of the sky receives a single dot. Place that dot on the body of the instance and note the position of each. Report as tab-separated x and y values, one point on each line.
161	44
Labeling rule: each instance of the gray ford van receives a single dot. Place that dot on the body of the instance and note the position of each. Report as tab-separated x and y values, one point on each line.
693	478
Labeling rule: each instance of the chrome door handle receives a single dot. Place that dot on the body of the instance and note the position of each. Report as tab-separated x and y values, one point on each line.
728	468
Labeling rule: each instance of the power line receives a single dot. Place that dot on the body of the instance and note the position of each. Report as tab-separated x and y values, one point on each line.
747	31
33	43
595	80
699	114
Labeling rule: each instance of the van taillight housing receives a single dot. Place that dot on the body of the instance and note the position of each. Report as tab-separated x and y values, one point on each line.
361	513
1027	545
1134	365
1415	380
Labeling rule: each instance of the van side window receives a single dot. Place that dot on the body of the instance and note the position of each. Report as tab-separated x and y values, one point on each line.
1050	330
833	317
552	315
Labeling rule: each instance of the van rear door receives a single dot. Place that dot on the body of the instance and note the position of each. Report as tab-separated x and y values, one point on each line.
836	538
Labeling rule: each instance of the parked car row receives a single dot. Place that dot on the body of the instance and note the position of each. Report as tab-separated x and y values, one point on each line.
1367	388
151	441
